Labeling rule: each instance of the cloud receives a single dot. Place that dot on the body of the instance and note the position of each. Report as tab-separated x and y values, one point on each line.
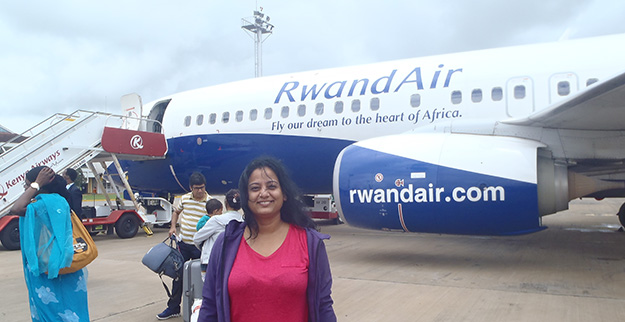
59	56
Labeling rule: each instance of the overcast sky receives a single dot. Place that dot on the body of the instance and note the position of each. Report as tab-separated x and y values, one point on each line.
59	56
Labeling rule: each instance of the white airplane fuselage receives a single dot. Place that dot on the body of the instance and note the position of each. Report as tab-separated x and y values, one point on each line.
308	119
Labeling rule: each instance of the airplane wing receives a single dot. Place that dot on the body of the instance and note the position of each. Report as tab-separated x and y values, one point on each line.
599	107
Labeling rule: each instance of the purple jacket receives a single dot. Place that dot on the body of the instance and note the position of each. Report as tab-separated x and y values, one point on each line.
216	301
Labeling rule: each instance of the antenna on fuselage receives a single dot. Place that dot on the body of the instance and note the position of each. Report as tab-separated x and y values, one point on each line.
259	29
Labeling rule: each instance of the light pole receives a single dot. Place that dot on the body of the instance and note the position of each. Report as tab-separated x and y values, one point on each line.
259	29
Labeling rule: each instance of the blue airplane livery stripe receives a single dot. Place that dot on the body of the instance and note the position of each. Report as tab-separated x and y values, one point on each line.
424	197
222	158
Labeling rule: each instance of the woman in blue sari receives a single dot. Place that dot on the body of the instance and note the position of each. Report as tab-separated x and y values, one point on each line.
46	241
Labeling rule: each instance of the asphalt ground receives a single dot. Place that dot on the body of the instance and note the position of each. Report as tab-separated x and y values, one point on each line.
573	271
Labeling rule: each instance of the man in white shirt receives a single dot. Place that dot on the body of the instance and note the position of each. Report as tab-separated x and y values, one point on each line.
192	208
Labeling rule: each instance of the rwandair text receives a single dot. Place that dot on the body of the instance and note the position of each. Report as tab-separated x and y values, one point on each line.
384	84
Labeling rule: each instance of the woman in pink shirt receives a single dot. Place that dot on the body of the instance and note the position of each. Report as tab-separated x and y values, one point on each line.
273	266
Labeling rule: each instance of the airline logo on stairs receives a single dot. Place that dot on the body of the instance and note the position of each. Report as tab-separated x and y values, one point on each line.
124	141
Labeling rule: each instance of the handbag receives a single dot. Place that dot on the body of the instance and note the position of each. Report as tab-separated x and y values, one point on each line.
84	247
165	259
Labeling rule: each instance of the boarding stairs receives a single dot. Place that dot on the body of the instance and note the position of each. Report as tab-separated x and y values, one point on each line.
71	141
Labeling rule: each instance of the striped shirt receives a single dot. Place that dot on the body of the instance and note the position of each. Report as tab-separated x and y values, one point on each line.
191	211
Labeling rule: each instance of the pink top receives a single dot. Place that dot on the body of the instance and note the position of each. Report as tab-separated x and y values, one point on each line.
271	288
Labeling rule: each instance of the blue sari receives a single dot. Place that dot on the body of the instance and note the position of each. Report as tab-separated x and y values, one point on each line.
46	240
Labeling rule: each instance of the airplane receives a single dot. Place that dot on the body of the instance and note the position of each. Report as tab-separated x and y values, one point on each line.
483	142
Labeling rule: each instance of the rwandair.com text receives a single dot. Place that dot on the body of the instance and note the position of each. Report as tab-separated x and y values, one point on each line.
430	194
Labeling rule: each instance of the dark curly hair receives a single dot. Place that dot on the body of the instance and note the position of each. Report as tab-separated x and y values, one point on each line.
233	199
292	211
58	184
212	205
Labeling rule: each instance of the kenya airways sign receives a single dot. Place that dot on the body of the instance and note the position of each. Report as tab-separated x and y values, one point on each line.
12	184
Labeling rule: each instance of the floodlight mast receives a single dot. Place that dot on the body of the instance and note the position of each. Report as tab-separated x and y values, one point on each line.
259	29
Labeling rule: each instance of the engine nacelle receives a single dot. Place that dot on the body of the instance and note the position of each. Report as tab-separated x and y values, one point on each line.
443	183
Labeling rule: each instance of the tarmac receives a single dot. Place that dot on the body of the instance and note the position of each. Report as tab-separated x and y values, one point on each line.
573	271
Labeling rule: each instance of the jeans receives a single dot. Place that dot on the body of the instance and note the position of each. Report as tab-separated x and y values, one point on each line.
189	251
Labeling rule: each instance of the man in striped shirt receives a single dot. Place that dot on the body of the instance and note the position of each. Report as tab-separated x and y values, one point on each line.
192	208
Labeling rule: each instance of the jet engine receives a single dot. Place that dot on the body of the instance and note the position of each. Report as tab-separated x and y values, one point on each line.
448	183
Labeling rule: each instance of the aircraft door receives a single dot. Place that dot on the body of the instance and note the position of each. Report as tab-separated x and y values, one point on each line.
132	108
157	113
562	85
520	96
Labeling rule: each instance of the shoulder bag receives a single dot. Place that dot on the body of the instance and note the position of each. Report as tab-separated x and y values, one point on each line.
165	259
84	247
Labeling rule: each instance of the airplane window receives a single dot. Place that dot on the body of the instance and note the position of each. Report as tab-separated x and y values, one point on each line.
476	95
415	100
497	94
519	92
564	88
456	97
284	112
355	105
591	81
268	112
239	116
319	109
301	110
199	119
212	118
225	118
187	120
338	107
375	104
253	114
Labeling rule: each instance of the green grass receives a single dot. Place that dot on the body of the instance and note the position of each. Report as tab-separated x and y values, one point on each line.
96	197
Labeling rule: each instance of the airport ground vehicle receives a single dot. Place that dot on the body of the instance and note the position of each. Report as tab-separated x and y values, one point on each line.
9	232
322	207
109	217
122	220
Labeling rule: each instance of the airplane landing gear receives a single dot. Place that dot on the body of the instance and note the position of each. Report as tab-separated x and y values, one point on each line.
621	215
